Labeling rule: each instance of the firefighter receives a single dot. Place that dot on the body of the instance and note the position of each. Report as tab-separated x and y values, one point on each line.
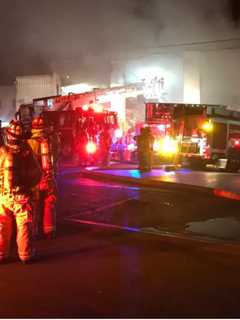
233	155
105	142
145	149
19	172
55	144
45	193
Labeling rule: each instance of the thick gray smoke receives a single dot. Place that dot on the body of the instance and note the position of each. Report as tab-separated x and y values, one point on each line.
81	37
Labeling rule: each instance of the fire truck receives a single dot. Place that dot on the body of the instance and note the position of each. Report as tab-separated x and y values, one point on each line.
196	135
85	127
81	133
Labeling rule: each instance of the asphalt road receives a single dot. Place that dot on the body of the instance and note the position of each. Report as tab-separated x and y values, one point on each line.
145	209
124	252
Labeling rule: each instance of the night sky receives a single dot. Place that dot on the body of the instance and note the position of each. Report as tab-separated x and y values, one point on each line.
81	36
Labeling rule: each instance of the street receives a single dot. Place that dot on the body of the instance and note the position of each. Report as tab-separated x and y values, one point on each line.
124	252
155	210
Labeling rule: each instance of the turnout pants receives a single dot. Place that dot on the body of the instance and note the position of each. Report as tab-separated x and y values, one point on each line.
16	209
145	160
44	213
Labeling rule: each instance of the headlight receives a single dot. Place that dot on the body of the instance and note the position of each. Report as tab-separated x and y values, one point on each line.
166	146
207	126
91	147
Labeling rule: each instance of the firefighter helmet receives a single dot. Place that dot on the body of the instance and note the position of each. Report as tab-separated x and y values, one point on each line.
38	123
14	130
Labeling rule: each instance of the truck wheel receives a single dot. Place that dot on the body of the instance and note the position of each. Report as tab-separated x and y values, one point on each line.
233	165
197	164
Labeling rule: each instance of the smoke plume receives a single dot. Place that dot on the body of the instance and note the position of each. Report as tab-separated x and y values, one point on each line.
81	37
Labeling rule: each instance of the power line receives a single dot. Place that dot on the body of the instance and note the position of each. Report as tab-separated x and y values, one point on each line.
198	43
186	45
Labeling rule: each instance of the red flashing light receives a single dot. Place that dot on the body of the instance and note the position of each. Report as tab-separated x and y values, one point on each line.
91	147
237	143
85	107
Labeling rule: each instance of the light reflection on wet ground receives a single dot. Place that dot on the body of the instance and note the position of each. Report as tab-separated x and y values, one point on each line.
148	209
219	180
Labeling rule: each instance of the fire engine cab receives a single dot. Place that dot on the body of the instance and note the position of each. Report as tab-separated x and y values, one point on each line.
197	135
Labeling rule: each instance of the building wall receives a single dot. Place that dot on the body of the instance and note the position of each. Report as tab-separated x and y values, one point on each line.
220	77
206	75
37	86
7	102
162	73
191	80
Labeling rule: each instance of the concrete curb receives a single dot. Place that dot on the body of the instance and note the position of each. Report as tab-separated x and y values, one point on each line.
162	184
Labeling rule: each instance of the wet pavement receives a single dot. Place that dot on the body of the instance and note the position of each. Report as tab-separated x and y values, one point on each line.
213	180
146	210
90	272
95	270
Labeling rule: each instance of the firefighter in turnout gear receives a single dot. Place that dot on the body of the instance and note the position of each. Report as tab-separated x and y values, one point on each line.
55	145
144	149
45	193
105	142
19	173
